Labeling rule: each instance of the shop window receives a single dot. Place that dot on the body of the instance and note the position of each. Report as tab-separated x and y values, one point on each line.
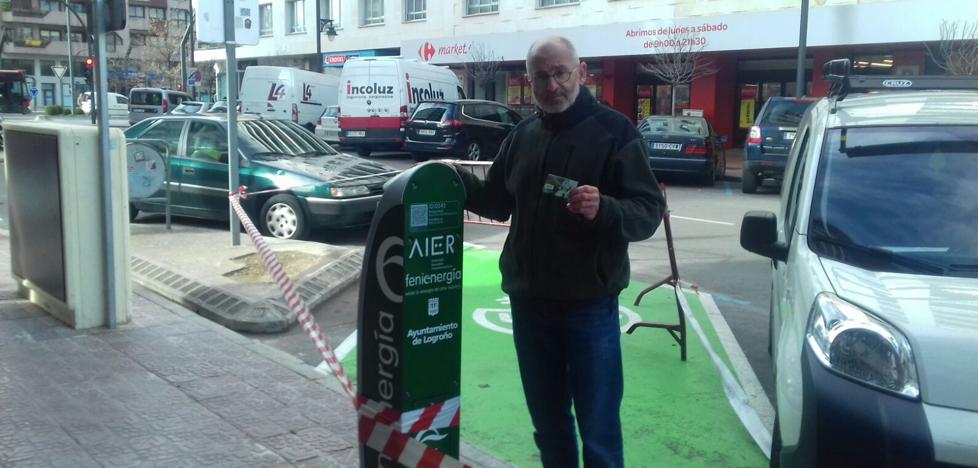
880	64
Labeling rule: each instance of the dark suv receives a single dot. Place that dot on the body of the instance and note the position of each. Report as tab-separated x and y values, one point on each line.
469	128
770	140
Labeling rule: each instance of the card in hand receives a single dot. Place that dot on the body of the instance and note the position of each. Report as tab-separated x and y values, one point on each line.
558	186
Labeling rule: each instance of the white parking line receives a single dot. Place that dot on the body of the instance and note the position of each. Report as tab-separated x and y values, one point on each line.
702	220
341	351
741	366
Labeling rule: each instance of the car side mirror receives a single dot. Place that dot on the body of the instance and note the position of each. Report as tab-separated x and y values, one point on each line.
759	234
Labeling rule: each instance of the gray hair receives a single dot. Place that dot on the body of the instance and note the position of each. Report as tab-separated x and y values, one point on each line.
548	42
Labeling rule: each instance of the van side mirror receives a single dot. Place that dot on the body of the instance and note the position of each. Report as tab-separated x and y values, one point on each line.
759	234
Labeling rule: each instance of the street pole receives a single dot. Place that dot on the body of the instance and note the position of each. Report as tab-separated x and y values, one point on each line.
232	79
802	43
101	80
71	73
319	38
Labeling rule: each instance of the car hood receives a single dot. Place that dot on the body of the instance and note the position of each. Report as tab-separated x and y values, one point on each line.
339	169
938	314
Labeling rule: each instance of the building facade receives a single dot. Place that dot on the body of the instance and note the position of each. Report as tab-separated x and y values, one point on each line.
748	46
36	38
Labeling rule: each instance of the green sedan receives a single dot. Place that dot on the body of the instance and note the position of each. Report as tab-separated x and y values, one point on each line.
300	182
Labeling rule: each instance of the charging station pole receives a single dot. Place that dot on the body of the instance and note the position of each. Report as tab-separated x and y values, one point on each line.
409	331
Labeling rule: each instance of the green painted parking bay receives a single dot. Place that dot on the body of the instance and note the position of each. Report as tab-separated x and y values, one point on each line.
674	413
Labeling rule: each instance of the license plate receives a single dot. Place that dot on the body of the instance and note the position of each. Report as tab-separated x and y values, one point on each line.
426	132
356	133
789	135
667	146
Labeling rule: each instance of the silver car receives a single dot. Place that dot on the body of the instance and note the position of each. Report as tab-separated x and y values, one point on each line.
874	308
328	127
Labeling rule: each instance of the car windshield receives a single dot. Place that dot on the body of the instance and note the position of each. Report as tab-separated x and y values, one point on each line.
784	113
331	111
899	199
432	111
680	126
261	138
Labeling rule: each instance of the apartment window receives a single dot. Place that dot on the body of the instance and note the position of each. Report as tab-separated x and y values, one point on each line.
156	13
19	64
265	19
52	35
24	33
331	10
415	10
546	3
180	17
77	37
137	39
373	12
475	7
51	5
137	11
295	16
46	67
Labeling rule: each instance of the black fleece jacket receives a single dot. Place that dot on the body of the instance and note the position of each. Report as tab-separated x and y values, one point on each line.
551	253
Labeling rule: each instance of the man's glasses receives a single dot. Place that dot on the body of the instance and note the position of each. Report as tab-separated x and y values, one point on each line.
542	78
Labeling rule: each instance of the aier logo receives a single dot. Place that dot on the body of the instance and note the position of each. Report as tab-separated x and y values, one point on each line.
897	83
375	88
422	94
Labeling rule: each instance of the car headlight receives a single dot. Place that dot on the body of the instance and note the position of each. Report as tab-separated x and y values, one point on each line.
349	192
854	343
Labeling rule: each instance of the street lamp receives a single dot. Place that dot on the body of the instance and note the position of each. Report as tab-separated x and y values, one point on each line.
326	25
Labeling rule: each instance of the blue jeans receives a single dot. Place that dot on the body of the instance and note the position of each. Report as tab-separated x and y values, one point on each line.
570	352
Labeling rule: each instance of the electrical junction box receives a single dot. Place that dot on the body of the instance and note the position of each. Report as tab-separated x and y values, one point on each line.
57	220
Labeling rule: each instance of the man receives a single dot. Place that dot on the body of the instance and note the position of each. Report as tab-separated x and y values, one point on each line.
566	259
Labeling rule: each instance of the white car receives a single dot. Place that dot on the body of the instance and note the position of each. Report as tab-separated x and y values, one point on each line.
874	311
118	104
328	126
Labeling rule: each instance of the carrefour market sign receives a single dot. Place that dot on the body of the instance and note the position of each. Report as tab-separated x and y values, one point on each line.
875	23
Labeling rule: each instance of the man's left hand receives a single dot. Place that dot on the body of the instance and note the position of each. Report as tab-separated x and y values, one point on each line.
585	201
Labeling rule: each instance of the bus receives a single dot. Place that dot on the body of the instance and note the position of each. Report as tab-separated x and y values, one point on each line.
14	94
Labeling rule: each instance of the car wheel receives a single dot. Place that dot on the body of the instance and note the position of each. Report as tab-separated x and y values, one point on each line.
282	217
748	182
721	172
420	157
473	152
310	127
363	151
776	443
133	212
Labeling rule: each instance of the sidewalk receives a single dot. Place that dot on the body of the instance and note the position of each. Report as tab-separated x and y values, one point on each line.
169	389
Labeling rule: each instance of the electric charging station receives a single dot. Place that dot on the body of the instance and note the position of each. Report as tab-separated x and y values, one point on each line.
409	324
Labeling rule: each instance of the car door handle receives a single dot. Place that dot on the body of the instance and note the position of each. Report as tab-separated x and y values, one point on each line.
189	170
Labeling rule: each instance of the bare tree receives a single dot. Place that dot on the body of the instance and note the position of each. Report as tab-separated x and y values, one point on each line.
957	51
482	66
678	60
163	49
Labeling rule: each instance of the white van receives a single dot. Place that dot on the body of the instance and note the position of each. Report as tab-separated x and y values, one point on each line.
286	93
378	94
118	104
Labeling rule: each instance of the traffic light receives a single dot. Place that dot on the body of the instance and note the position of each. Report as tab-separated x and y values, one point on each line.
89	66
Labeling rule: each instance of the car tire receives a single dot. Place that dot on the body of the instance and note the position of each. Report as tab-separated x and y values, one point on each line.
748	183
420	157
310	127
133	212
721	172
363	151
473	152
709	177
282	217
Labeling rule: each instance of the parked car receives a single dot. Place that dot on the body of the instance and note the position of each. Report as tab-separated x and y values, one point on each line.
770	139
190	107
684	144
150	102
118	104
874	309
218	107
328	126
288	93
468	128
311	185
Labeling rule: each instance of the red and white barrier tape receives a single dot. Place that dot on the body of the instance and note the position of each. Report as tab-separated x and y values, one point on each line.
380	425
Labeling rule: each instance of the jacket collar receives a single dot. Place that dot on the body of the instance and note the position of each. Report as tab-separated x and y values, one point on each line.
582	107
